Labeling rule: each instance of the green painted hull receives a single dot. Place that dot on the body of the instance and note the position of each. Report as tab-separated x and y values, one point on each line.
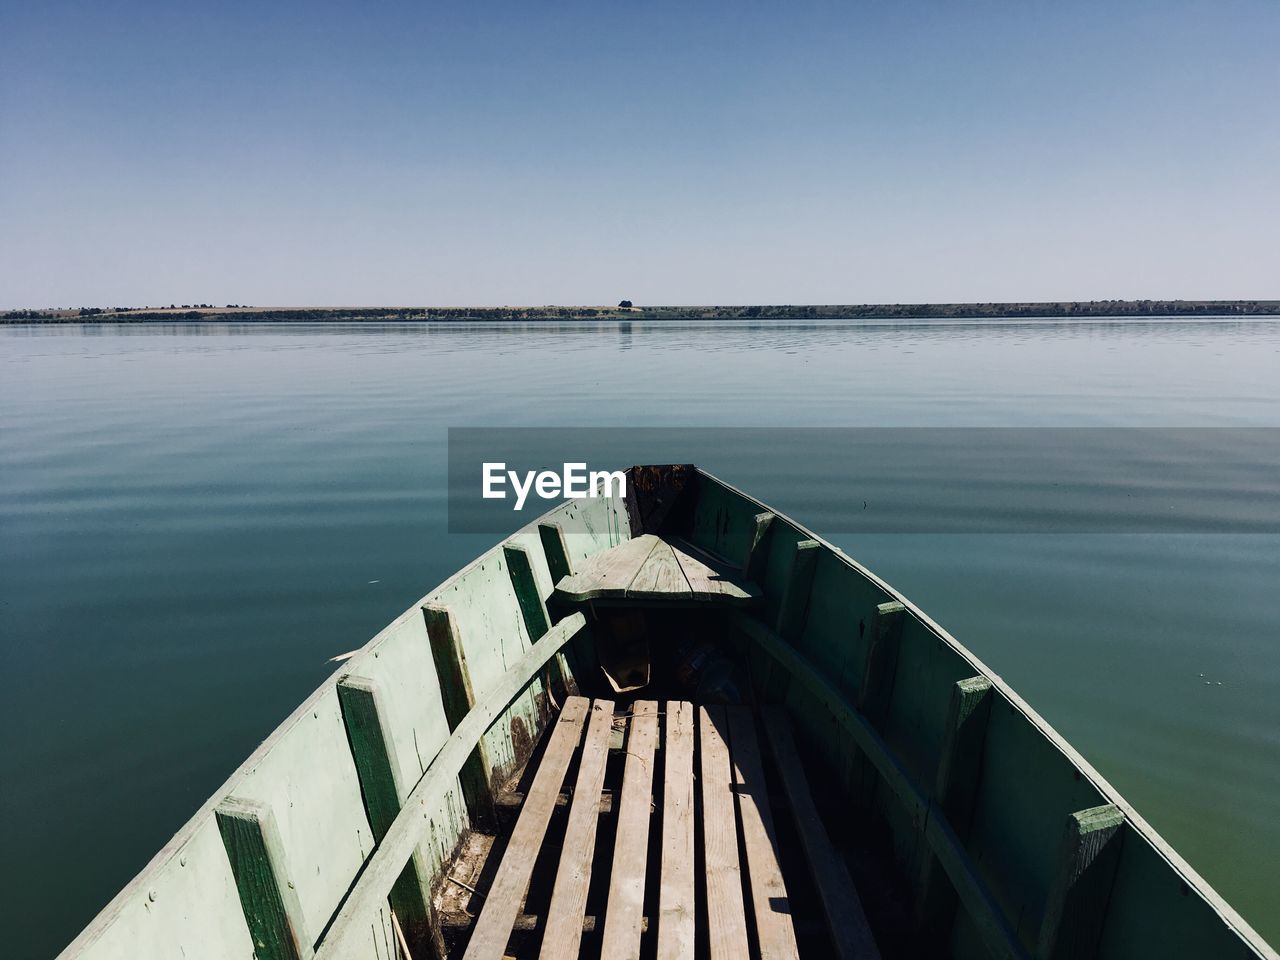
357	802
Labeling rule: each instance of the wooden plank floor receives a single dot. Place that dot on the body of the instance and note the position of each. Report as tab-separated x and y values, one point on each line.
625	911
565	916
775	933
683	862
502	904
676	898
842	908
726	914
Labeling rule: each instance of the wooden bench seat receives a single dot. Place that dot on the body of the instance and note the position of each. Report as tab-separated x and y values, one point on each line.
709	766
650	568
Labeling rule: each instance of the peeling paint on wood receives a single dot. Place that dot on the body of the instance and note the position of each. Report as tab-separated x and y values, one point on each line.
257	860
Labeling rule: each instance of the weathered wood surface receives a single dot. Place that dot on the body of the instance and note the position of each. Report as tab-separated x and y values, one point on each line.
653	491
372	886
1161	907
726	913
610	572
757	556
651	568
1077	904
851	937
771	905
975	896
271	907
659	576
505	895
458	699
625	909
986	914
954	793
364	716
676	898
709	579
876	692
555	550
794	604
563	932
532	610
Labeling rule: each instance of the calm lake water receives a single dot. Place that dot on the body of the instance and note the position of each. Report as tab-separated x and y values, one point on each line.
193	519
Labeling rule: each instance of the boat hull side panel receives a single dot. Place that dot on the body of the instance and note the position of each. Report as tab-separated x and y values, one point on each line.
1030	780
309	783
486	615
915	724
590	526
402	669
1154	914
1025	795
837	629
720	525
195	912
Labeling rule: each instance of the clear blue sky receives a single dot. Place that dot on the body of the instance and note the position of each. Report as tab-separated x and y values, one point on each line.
530	153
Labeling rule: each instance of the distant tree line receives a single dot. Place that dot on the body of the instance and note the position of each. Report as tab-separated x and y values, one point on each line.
890	311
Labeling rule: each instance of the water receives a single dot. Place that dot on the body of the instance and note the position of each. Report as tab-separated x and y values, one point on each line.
192	520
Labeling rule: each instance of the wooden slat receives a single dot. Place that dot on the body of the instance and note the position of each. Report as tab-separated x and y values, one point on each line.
268	899
660	576
457	698
563	933
506	893
795	595
964	742
556	553
555	550
364	716
954	793
525	586
1077	904
533	611
772	907
876	691
610	572
625	908
676	913
350	927
851	937
726	914
753	564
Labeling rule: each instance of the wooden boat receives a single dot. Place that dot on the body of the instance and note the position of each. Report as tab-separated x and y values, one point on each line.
672	725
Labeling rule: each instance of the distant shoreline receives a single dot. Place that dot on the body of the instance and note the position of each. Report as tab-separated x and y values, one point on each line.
879	311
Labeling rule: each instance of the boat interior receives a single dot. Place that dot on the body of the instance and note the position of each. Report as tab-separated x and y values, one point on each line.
667	812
